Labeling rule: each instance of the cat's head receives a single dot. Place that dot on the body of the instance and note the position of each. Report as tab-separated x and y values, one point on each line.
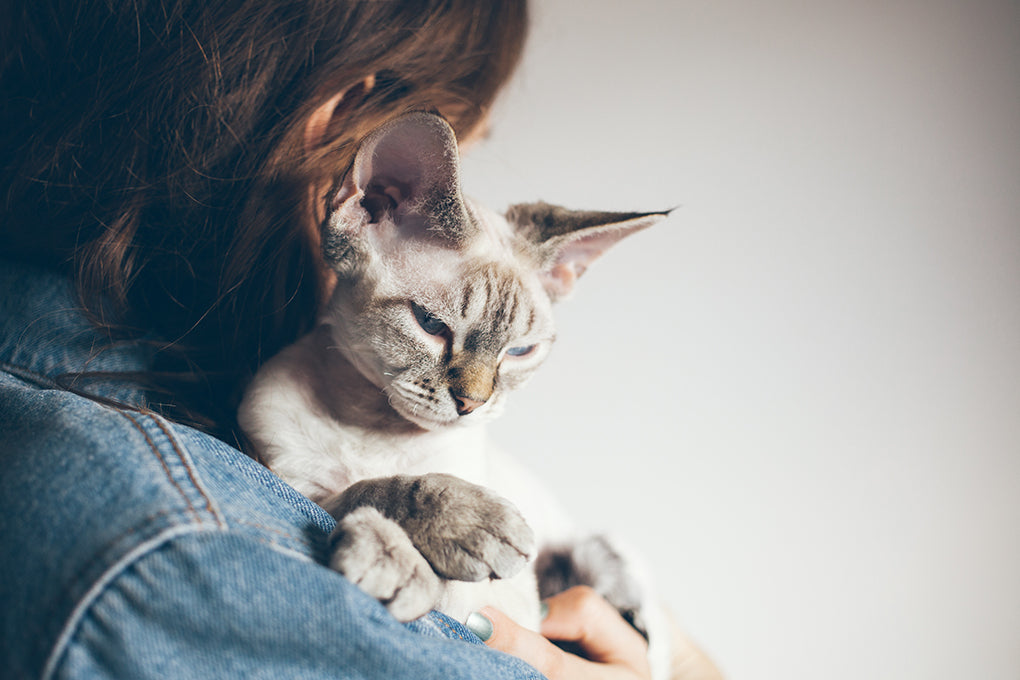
442	304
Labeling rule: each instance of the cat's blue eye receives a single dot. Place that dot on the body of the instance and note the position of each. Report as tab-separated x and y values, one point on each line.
428	322
520	351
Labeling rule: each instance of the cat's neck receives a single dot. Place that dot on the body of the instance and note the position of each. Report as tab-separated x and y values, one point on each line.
348	396
321	425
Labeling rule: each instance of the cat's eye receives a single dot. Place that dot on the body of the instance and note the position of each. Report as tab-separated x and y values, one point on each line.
428	321
521	351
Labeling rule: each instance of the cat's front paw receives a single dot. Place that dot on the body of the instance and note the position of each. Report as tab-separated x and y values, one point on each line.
466	531
376	554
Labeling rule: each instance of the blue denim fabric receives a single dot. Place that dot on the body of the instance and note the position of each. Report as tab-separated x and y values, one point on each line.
133	547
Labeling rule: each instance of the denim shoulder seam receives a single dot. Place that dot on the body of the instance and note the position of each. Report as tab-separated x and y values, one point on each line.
29	376
136	418
183	459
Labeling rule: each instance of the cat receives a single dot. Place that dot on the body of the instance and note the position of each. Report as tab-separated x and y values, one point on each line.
440	309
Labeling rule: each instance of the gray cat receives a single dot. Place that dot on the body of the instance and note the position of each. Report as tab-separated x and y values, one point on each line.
441	308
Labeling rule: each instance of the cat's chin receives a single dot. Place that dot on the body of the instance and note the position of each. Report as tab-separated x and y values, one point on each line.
430	420
423	418
427	423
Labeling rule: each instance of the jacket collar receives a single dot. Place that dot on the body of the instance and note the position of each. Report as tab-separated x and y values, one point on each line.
46	339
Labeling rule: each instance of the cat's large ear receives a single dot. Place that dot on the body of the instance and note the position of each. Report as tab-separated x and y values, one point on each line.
405	177
568	241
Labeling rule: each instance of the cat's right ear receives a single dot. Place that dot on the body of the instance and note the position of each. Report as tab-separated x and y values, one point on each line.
568	241
405	178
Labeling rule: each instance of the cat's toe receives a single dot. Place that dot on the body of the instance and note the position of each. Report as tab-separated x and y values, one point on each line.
478	535
375	554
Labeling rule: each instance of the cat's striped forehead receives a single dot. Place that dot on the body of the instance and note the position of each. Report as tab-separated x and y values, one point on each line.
495	305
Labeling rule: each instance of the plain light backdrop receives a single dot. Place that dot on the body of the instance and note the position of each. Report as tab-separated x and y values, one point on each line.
799	397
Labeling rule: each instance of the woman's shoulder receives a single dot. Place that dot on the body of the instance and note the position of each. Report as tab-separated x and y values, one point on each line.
97	481
87	489
126	458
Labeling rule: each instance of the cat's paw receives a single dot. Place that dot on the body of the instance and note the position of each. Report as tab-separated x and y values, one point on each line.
466	531
376	554
597	562
613	573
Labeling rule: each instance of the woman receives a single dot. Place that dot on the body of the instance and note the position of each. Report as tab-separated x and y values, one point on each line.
165	166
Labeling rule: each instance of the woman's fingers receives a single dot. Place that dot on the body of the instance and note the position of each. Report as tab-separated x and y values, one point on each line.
501	632
581	616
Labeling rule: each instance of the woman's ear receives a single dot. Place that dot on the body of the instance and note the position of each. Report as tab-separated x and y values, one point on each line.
318	123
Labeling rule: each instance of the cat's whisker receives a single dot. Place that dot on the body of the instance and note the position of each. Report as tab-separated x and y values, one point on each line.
389	392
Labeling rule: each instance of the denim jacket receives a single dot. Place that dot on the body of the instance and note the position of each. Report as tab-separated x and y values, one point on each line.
134	547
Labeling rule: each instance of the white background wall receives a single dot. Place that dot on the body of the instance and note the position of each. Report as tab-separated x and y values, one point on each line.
800	395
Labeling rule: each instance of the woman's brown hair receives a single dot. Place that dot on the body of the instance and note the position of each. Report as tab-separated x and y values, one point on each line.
155	151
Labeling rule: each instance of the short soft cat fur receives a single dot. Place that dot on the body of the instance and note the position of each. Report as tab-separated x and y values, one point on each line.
441	308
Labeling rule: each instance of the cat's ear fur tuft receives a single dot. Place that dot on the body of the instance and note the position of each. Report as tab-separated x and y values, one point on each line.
406	177
568	241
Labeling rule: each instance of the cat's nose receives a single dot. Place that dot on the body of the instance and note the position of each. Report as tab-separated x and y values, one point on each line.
465	404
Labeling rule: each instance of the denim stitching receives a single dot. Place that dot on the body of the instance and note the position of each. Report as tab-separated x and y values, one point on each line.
191	472
126	536
166	469
438	620
104	580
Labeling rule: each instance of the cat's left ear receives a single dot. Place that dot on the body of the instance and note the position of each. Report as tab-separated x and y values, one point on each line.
406	176
568	241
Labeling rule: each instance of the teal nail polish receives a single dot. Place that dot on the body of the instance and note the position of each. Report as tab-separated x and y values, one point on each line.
480	626
543	611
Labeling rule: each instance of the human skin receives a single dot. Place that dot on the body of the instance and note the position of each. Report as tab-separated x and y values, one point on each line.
611	648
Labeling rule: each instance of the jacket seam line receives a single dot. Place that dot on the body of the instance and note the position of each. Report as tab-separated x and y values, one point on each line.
440	622
28	375
70	628
166	469
210	508
93	593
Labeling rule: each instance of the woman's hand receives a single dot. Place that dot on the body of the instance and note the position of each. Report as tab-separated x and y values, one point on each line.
613	650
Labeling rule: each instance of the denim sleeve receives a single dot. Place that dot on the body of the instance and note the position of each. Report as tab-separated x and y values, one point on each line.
215	605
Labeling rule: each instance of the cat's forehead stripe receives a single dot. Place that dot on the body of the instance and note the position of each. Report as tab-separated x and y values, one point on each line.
513	302
465	302
500	300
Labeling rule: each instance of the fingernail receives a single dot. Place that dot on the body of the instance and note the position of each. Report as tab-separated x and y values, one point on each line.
480	626
543	611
